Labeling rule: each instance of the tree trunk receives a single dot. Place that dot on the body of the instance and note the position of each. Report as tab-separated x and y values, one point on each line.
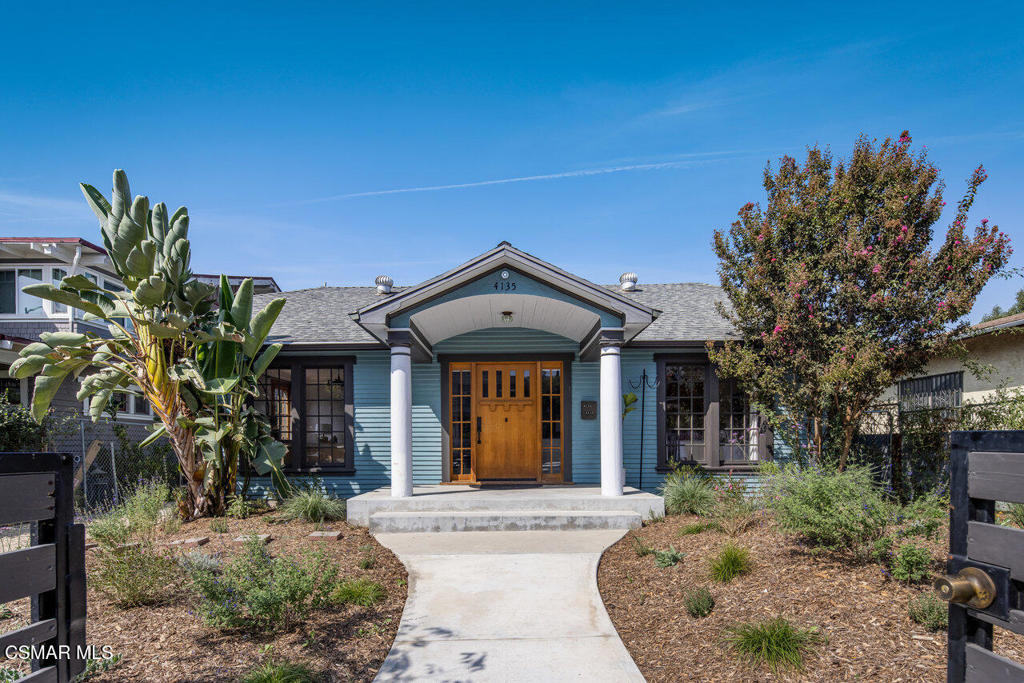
184	445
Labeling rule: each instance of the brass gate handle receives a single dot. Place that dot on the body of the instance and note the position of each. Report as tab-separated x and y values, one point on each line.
971	586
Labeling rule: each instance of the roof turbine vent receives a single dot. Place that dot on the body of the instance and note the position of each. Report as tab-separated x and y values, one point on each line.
627	281
384	284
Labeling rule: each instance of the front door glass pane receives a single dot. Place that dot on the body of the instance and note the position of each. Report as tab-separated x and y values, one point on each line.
28	304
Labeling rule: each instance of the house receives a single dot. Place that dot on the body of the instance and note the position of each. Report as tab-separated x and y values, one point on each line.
996	345
505	369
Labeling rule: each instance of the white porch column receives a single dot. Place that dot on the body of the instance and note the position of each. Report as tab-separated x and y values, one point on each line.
401	421
611	421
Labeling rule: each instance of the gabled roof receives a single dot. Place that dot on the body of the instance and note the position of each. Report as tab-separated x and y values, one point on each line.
633	315
1003	323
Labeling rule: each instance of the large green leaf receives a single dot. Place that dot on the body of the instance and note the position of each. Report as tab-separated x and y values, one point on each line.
79	282
35	349
241	308
55	339
61	296
270	455
98	403
46	387
264	360
140	259
151	291
221	385
27	366
260	328
97	202
161	430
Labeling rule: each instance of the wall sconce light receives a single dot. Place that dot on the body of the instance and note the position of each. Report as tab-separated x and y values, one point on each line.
506	317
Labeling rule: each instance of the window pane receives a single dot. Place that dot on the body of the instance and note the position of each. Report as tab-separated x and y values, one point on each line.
526	384
58	275
484	388
497	384
28	304
8	290
511	383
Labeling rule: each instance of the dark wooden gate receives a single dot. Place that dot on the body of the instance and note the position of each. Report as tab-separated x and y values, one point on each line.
38	487
985	467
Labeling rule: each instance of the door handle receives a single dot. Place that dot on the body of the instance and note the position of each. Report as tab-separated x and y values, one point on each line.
479	428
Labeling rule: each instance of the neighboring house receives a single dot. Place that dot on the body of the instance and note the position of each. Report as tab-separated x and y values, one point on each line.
996	345
261	284
504	369
29	260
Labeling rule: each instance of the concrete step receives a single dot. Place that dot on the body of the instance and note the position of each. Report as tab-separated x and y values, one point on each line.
502	520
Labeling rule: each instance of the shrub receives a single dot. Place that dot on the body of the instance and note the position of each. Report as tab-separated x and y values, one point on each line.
687	492
110	529
668	558
734	510
144	507
261	591
730	562
313	505
924	515
698	602
199	561
641	547
219	526
1015	514
881	550
829	509
280	672
911	563
929	611
134	575
367	561
357	592
775	643
695	528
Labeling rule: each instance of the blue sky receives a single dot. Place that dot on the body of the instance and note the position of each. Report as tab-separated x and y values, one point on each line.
302	136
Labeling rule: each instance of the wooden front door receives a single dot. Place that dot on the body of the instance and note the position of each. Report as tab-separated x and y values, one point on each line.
506	421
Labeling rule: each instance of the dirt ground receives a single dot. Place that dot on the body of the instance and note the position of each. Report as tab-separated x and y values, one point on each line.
170	643
860	610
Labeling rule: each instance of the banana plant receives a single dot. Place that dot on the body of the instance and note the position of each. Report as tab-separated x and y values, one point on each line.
155	329
230	432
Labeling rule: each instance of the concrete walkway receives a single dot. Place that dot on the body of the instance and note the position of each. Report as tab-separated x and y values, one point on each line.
505	606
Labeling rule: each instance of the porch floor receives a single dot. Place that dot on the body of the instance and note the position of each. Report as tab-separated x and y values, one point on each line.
470	508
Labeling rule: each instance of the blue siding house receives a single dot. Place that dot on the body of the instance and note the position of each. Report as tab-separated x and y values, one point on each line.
509	370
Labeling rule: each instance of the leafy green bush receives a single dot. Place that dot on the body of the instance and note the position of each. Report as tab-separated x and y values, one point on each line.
686	492
730	562
134	575
110	529
20	432
929	611
911	564
1015	514
923	516
357	592
264	592
144	507
280	672
313	505
219	526
775	643
734	509
367	561
668	558
199	561
695	528
881	550
829	509
698	602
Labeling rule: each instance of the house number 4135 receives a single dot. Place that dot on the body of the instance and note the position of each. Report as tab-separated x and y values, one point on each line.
504	286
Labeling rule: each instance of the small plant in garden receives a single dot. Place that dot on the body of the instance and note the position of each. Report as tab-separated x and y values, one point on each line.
734	510
219	526
280	672
368	561
134	575
911	564
698	602
641	547
199	561
172	524
240	508
881	550
8	675
357	592
776	643
929	611
94	667
313	505
261	591
830	509
687	492
923	516
5	612
668	558
1015	514
730	562
695	528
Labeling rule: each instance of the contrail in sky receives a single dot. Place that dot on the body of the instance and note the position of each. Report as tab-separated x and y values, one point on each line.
504	181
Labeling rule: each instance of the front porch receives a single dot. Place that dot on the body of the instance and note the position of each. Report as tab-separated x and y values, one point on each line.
466	508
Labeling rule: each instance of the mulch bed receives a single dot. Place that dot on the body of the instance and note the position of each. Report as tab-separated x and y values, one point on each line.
170	643
858	608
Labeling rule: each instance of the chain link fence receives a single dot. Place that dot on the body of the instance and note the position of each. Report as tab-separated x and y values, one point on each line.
109	462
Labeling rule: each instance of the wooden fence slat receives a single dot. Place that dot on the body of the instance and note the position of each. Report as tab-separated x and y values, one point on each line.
999	545
26	497
28	572
33	634
47	675
996	476
985	666
1015	622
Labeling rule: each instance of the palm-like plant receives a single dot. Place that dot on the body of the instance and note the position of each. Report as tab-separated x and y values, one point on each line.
157	328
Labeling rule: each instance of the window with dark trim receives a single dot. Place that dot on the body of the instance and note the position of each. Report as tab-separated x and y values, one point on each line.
308	402
703	420
933	391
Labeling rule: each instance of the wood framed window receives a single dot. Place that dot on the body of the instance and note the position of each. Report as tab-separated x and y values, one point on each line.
932	391
461	412
705	421
309	404
551	419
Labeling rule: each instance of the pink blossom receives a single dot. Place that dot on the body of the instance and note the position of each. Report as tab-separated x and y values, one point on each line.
778	328
877	269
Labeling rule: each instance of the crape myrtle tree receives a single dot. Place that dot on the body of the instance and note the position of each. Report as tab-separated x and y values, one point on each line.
837	290
196	366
